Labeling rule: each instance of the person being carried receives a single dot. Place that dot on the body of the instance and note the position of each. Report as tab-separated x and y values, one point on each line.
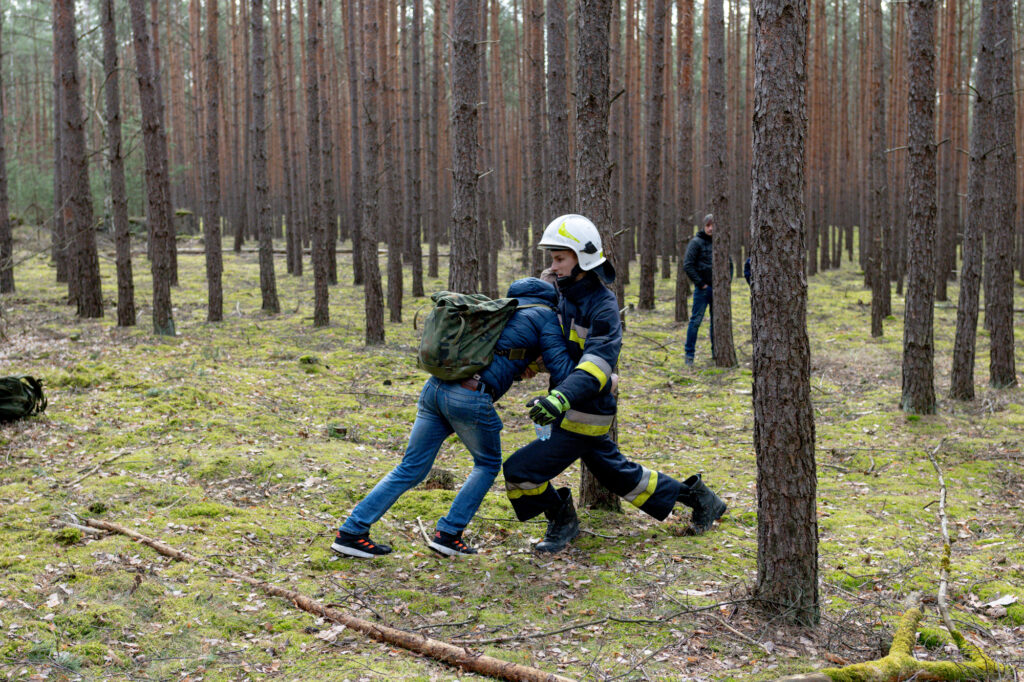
582	406
465	408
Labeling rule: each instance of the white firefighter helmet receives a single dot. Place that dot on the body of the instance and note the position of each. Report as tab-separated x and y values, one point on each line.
573	232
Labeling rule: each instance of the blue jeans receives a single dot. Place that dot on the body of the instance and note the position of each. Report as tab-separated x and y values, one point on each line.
444	408
701	302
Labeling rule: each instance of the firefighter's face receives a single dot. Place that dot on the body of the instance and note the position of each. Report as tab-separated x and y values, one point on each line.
562	262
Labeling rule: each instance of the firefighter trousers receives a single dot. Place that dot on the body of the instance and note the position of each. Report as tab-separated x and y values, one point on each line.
529	470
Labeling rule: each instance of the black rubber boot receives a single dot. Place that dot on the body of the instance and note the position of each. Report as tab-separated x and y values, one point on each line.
563	525
707	506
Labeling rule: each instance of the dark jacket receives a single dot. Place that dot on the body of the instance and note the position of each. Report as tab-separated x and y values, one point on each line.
593	333
535	329
697	262
746	271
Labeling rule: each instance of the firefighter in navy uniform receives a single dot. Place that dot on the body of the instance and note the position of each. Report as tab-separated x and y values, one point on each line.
582	407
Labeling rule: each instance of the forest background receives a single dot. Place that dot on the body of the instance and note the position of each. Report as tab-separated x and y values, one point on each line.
159	430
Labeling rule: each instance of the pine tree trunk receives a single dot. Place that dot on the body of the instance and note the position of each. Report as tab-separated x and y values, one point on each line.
486	209
6	239
393	208
349	13
268	282
787	530
684	154
1000	189
918	334
434	137
157	184
875	272
535	106
559	193
298	228
59	246
464	275
651	222
292	247
416	156
170	242
211	214
330	199
321	311
78	212
721	311
592	172
373	293
118	198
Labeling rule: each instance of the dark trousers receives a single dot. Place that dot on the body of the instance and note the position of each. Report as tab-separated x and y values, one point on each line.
530	468
701	302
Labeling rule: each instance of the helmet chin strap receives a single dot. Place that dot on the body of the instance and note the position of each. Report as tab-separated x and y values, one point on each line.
577	271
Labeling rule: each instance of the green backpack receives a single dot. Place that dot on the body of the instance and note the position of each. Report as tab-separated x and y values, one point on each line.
20	396
460	333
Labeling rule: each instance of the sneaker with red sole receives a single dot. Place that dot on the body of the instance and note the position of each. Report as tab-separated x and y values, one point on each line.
449	544
360	546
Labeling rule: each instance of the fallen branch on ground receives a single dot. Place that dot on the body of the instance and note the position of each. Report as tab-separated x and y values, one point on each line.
900	664
450	654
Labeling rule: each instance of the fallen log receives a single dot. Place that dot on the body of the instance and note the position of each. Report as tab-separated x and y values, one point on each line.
450	654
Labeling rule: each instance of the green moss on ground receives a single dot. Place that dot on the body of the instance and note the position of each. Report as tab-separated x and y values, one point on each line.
218	444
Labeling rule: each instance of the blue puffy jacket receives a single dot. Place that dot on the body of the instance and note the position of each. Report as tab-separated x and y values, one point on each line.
534	329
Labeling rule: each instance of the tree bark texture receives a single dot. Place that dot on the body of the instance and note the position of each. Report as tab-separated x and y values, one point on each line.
349	19
78	212
918	333
592	170
293	247
721	310
115	157
464	274
878	174
211	209
787	529
655	107
393	208
416	153
534	30
559	190
6	238
157	185
327	135
684	153
268	282
961	380
321	312
1000	202
373	294
59	245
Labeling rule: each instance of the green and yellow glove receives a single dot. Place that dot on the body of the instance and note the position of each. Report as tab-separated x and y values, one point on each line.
546	410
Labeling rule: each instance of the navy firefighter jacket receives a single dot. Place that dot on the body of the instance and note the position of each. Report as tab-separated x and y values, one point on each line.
593	333
534	329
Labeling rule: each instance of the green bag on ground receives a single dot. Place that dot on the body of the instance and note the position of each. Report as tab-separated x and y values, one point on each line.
460	333
20	396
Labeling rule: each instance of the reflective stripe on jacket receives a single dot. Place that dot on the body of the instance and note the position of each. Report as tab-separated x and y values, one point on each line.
593	334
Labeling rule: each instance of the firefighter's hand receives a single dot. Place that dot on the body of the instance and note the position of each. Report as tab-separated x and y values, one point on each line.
546	410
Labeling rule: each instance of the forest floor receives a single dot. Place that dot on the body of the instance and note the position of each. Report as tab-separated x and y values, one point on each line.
246	442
